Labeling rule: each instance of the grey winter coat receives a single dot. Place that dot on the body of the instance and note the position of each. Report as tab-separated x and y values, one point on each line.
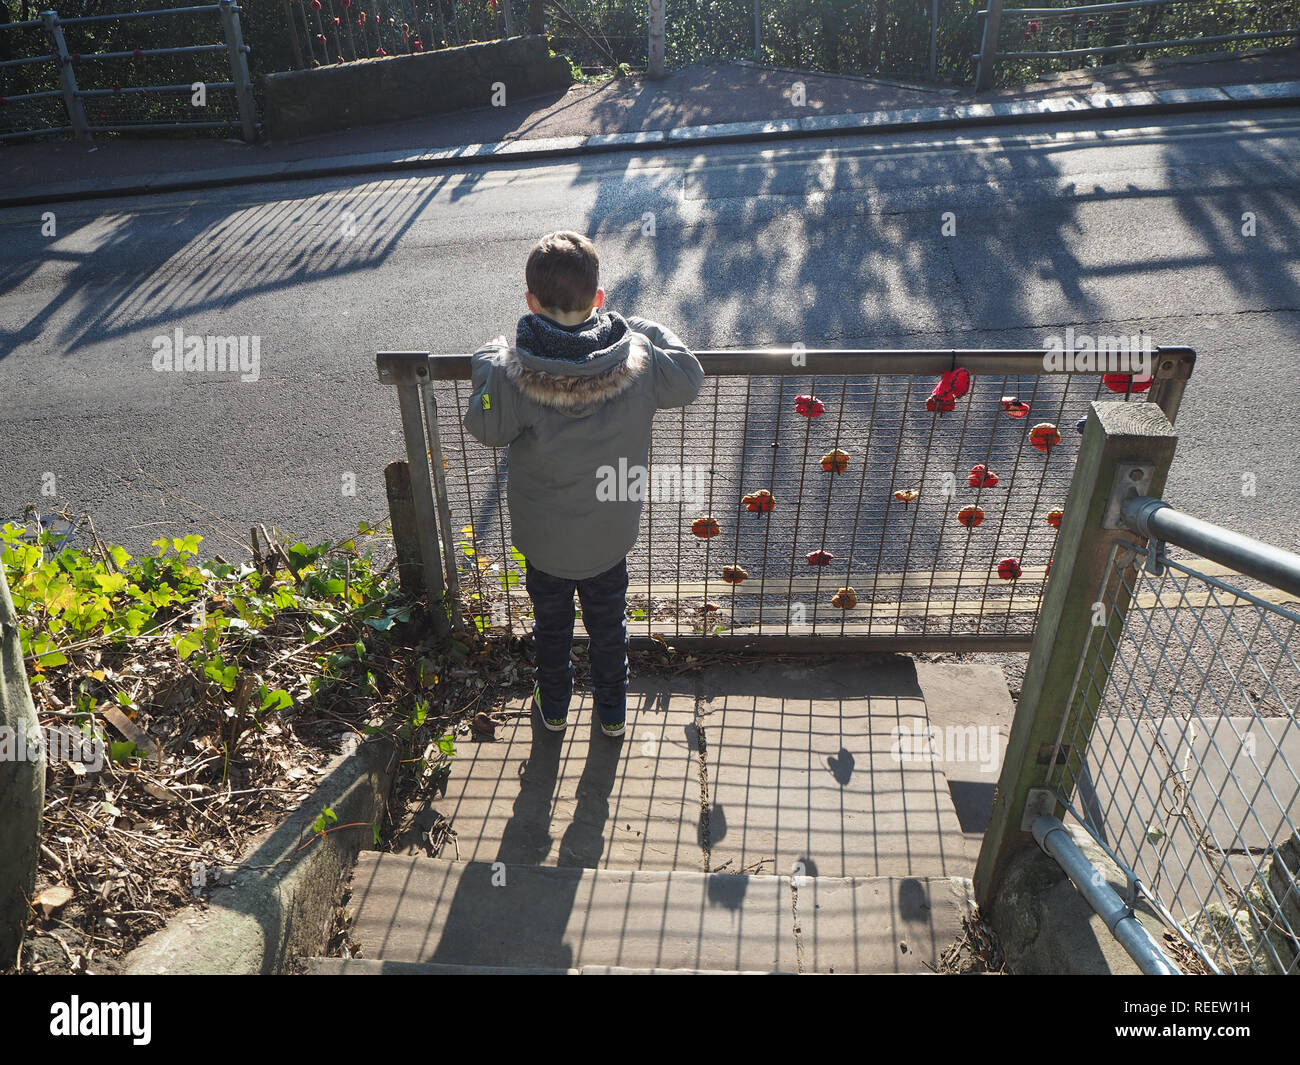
564	420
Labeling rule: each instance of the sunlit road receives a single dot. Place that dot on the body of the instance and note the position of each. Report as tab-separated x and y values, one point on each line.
834	242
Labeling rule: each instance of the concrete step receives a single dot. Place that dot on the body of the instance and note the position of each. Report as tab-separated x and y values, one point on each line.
375	967
766	768
418	910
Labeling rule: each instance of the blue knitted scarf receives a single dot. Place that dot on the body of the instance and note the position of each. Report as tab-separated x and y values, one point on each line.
549	339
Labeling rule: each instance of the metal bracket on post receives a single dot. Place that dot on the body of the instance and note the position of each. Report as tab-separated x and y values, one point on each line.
1132	479
1172	369
1039	801
1131	895
408	371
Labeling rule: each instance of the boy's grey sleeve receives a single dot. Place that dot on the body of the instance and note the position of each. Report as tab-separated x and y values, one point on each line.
493	417
678	374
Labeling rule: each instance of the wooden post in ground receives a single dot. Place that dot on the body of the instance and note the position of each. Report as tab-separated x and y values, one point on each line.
406	539
22	783
409	372
1119	441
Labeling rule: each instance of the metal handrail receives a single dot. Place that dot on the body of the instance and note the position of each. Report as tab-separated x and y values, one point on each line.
816	361
82	20
126	90
188	49
1132	935
1157	520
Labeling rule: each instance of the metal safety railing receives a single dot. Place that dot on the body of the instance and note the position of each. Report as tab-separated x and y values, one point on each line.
886	525
1160	715
1131	27
102	87
1180	754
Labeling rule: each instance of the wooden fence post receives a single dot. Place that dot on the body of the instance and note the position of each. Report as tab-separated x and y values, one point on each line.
22	783
1119	440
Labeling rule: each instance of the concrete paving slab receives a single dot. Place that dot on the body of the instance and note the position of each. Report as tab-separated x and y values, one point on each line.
970	711
970	112
880	924
470	913
580	798
1240	775
379	967
803	767
419	915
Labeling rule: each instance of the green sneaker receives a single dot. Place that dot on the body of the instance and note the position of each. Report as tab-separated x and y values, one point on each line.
616	731
555	724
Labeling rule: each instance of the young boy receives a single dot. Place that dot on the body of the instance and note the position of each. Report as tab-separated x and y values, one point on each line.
575	394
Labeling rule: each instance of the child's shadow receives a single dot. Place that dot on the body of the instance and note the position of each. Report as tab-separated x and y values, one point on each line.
526	838
584	840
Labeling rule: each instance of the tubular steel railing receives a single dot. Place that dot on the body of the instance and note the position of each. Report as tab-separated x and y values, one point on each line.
1133	27
60	70
922	551
1180	750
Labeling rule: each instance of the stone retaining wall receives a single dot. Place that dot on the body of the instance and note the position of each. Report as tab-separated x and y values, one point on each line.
392	88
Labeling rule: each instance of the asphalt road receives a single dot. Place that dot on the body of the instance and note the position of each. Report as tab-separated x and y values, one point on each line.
833	242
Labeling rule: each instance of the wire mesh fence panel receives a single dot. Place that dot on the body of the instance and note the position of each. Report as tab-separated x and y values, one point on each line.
1181	754
784	506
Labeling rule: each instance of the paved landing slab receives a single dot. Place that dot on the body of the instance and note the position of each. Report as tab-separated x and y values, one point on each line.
737	769
579	798
414	911
806	773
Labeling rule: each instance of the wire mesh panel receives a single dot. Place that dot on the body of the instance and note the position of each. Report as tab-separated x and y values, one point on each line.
787	508
1181	754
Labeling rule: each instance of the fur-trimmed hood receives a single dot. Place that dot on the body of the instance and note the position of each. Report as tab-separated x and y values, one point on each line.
553	412
575	386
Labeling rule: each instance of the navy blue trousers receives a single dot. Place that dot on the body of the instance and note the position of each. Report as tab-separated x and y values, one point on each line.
604	616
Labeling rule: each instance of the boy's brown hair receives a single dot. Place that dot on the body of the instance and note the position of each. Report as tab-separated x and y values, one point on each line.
563	271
